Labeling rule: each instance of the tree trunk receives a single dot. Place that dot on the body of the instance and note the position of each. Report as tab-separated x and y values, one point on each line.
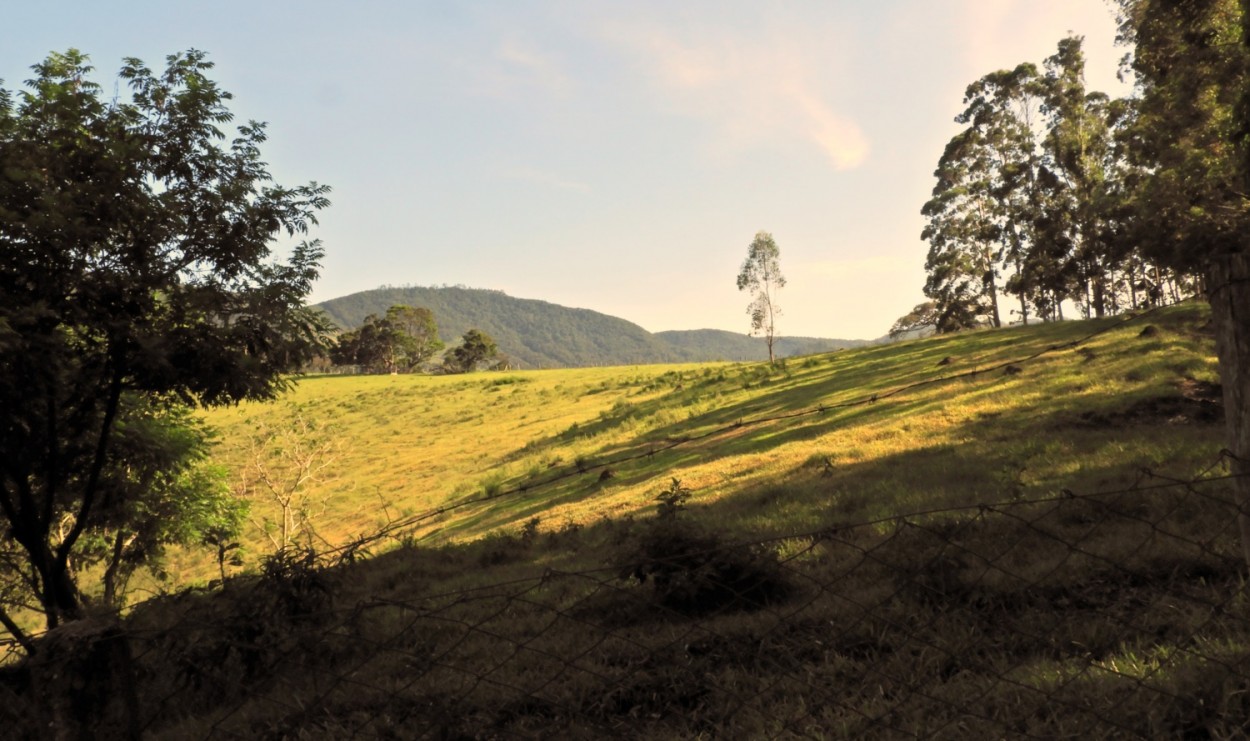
1024	304
990	288
1228	290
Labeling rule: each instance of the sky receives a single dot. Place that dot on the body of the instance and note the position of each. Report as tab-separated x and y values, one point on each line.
614	156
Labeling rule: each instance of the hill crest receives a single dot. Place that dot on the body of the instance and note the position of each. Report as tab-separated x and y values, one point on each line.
541	334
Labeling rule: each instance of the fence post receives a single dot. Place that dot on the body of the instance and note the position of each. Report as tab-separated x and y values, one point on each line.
1228	290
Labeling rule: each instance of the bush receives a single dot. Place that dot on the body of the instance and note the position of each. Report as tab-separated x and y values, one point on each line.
696	572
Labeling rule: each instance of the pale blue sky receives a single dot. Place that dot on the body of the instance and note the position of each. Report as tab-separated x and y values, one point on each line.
616	156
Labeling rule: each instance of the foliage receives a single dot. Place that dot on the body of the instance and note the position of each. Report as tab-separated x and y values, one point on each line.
761	276
1046	194
672	500
135	275
401	341
696	572
1190	63
921	318
160	490
476	349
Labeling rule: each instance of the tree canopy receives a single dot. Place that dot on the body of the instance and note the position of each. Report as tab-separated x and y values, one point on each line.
476	348
136	275
401	341
1053	193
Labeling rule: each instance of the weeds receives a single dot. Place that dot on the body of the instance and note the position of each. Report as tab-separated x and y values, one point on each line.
695	572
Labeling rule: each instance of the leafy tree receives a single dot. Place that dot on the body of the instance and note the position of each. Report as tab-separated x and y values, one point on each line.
135	278
161	491
923	316
402	340
370	346
475	348
1083	159
983	206
761	275
1191	69
963	237
1192	138
1039	187
418	333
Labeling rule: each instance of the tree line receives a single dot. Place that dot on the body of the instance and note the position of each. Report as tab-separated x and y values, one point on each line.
1055	194
405	340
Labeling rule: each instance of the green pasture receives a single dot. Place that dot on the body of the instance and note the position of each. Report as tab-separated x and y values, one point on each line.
991	534
765	450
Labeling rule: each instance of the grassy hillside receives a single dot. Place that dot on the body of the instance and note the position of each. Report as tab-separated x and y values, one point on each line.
993	534
1071	417
545	335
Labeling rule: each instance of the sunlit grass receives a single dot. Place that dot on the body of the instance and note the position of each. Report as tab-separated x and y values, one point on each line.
941	573
416	443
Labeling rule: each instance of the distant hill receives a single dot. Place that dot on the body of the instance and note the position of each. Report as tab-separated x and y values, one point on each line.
718	344
540	334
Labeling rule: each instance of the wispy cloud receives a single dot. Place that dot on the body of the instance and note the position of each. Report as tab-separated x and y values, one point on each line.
755	88
527	63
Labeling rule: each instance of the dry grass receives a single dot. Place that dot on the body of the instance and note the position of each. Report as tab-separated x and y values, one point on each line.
1076	418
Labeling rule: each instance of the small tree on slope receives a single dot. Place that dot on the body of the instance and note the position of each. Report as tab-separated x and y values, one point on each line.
761	275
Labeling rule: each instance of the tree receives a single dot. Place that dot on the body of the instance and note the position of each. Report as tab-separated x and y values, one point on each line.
1084	161
963	236
283	462
921	319
1192	135
418	334
1040	187
475	348
400	341
761	275
136	278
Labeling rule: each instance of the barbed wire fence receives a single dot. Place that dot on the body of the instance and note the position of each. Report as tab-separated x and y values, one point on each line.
1116	613
1111	613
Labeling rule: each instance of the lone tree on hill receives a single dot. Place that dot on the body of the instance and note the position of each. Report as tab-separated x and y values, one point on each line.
136	279
761	275
476	348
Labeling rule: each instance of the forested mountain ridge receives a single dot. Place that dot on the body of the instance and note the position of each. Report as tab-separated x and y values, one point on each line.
719	344
539	334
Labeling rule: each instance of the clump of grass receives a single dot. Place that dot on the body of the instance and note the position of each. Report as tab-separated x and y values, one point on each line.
696	572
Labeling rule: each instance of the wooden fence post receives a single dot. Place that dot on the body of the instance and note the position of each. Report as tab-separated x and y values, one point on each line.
1228	290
